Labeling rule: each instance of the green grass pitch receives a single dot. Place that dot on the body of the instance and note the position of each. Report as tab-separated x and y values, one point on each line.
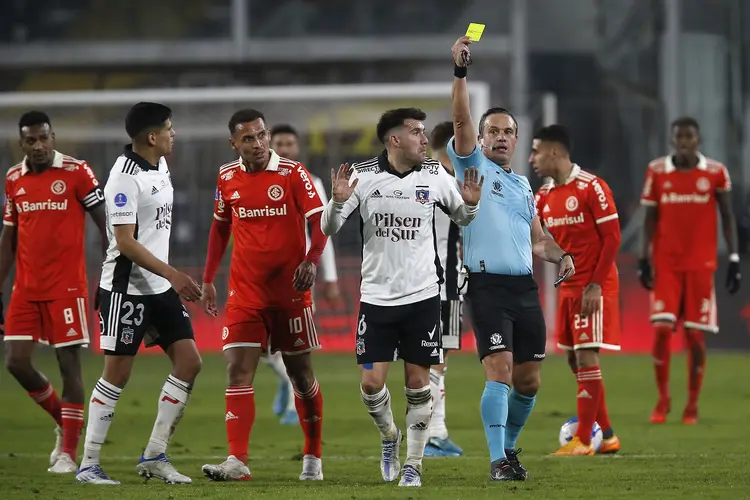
710	460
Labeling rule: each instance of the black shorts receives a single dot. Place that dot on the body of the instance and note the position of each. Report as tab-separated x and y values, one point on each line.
410	332
127	320
452	316
507	316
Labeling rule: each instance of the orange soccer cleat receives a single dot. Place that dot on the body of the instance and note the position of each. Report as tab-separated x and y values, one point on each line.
609	446
659	415
574	448
690	415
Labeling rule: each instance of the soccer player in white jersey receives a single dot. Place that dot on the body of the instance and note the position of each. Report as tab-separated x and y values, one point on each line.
397	194
285	141
448	235
139	295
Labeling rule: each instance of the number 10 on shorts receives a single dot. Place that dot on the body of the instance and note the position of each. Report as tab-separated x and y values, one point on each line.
295	325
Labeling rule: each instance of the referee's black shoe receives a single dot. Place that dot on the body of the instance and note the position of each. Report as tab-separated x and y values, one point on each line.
521	473
502	470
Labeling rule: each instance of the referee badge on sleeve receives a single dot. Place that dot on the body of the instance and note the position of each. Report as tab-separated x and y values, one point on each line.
463	280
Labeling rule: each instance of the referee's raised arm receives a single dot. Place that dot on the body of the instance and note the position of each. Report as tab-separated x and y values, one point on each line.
463	125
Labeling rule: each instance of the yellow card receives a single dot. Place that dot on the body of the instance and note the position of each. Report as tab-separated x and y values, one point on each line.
474	32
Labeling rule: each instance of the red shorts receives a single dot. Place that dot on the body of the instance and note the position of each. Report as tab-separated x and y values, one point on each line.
291	331
59	323
688	295
598	331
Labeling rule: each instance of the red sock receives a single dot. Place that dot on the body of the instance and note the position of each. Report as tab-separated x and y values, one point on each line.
602	415
589	392
72	423
47	399
661	355
239	419
310	410
696	365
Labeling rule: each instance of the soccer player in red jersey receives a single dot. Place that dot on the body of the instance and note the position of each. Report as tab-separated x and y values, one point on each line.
578	210
263	200
47	196
680	193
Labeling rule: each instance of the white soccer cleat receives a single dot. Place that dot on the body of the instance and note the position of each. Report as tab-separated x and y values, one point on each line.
94	474
390	465
232	469
63	465
160	467
58	446
312	468
411	476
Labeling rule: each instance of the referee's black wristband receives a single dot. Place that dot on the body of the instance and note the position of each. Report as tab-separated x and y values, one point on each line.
567	255
459	71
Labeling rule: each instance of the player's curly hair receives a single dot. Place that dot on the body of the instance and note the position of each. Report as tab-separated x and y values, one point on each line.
395	118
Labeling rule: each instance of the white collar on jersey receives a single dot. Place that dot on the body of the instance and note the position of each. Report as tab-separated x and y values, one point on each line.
573	174
669	165
57	162
273	162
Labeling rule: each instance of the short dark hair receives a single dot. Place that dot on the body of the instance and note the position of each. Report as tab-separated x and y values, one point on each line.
144	116
496	111
395	118
31	118
283	128
441	134
244	116
558	134
686	121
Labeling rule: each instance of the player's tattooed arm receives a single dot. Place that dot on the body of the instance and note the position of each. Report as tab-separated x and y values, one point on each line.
7	252
99	216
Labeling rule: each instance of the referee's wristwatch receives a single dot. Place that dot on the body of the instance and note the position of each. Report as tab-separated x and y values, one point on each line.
562	257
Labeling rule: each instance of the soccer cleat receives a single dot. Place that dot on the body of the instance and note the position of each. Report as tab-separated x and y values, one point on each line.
159	467
411	476
63	465
290	417
232	469
574	448
390	465
281	398
94	474
502	471
609	446
659	415
690	415
437	447
58	446
521	473
312	468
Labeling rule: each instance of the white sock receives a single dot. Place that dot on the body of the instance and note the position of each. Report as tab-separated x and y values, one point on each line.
101	412
418	413
172	400
437	388
277	365
290	406
379	407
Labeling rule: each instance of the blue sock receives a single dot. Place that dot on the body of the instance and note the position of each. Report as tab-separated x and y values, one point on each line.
519	409
494	407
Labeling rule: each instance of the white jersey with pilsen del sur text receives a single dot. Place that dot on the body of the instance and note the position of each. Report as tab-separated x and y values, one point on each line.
400	263
141	194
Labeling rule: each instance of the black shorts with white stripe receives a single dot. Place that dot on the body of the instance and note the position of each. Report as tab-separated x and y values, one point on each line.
451	324
127	320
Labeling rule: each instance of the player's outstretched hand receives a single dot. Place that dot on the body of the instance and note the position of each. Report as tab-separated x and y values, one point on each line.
304	276
185	286
471	187
332	293
734	277
461	52
340	188
567	270
645	276
208	299
591	300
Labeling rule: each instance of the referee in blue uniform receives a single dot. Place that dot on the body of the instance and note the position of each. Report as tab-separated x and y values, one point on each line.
501	293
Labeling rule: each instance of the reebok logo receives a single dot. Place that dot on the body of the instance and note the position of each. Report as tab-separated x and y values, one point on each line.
154	190
230	416
376	194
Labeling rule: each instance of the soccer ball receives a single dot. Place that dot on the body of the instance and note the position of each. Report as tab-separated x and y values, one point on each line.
569	428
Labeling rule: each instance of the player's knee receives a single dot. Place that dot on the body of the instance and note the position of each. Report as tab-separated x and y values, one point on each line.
372	385
302	380
587	358
527	378
17	363
498	367
240	373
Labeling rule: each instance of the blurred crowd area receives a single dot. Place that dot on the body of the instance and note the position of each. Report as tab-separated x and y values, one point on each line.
606	61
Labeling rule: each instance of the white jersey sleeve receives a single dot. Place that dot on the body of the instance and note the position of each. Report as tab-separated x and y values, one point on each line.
121	196
328	258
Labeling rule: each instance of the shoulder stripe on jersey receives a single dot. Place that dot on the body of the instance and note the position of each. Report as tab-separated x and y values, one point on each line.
367	163
70	159
232	164
14	168
287	162
130	167
585	176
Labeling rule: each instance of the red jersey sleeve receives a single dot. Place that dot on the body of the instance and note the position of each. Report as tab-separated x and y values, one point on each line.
723	182
88	192
601	202
220	205
305	195
650	196
10	215
539	201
